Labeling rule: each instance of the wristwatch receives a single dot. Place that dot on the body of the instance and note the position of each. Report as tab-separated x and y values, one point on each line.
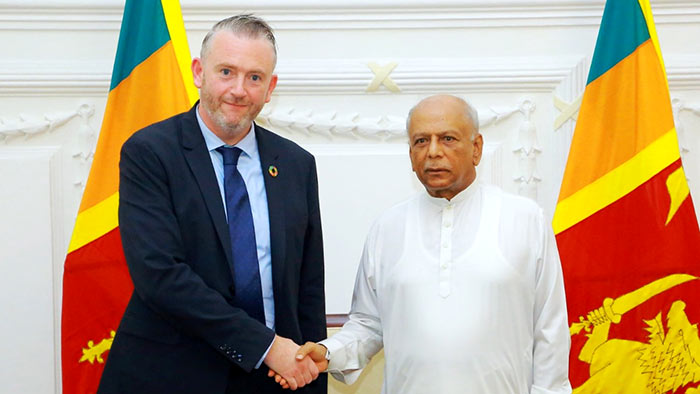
328	352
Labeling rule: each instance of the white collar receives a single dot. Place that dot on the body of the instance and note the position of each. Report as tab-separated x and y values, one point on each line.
459	198
249	144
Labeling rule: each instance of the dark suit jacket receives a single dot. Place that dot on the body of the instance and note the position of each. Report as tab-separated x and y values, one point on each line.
181	332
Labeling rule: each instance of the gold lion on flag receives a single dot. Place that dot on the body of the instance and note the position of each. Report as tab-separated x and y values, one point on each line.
670	360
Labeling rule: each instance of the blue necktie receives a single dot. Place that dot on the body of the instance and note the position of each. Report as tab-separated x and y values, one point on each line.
240	226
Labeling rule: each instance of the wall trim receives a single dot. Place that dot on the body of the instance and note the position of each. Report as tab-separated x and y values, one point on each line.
342	14
350	76
337	320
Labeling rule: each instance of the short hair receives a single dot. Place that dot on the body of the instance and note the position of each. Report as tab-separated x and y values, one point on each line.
469	111
247	25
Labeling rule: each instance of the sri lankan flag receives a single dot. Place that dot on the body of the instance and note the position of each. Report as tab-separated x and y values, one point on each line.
151	81
625	223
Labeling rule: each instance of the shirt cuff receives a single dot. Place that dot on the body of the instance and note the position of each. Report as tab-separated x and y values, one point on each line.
264	355
337	361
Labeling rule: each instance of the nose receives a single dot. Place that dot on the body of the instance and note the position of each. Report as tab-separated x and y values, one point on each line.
237	87
434	148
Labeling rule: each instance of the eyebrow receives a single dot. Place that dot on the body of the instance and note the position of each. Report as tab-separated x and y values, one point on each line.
439	133
228	65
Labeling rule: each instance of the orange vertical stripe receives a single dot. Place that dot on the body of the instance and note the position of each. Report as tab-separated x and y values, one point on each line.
154	91
622	130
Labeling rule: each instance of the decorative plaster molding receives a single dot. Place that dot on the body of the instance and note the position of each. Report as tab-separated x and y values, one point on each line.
32	126
348	14
320	76
491	116
382	77
332	124
427	75
683	106
62	77
569	111
678	107
527	151
683	71
27	127
350	76
86	142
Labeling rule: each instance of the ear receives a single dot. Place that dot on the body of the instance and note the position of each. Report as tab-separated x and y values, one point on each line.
197	72
478	149
273	84
410	156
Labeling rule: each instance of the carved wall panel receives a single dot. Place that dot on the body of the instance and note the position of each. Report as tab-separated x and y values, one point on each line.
28	211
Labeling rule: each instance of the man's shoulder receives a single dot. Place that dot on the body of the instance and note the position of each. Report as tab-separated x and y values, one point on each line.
515	209
165	131
397	212
518	215
511	200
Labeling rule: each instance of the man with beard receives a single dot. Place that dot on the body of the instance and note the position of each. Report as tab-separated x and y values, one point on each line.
221	230
461	285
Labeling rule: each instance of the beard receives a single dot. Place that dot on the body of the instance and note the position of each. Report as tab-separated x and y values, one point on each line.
230	127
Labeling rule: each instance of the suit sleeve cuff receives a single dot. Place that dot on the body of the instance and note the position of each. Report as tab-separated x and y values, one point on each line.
264	355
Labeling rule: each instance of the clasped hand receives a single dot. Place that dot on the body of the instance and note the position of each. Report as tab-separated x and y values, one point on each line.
293	366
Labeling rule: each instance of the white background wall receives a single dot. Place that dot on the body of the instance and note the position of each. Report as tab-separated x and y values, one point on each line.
512	59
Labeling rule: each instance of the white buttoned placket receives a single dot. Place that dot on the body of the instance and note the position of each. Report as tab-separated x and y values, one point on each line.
446	249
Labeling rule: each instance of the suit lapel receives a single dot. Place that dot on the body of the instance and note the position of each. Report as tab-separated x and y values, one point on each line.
270	157
199	160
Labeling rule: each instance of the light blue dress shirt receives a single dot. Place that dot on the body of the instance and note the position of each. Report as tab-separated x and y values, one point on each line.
250	168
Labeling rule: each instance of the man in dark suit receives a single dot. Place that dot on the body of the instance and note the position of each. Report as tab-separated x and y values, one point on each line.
220	224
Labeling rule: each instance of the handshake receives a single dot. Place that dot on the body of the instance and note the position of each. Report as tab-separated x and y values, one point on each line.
294	366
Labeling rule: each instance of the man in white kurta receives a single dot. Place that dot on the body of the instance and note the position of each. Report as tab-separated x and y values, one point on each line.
464	295
461	285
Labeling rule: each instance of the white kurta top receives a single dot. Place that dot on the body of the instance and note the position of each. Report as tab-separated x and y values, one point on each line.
465	296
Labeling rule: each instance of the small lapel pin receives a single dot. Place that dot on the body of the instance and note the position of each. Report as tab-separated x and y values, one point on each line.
273	171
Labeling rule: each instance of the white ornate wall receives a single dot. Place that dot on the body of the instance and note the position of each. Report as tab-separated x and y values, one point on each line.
348	71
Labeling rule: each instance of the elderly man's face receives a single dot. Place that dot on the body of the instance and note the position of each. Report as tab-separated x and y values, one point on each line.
443	154
236	79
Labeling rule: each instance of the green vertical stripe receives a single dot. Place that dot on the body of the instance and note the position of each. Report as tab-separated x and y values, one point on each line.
143	32
622	30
